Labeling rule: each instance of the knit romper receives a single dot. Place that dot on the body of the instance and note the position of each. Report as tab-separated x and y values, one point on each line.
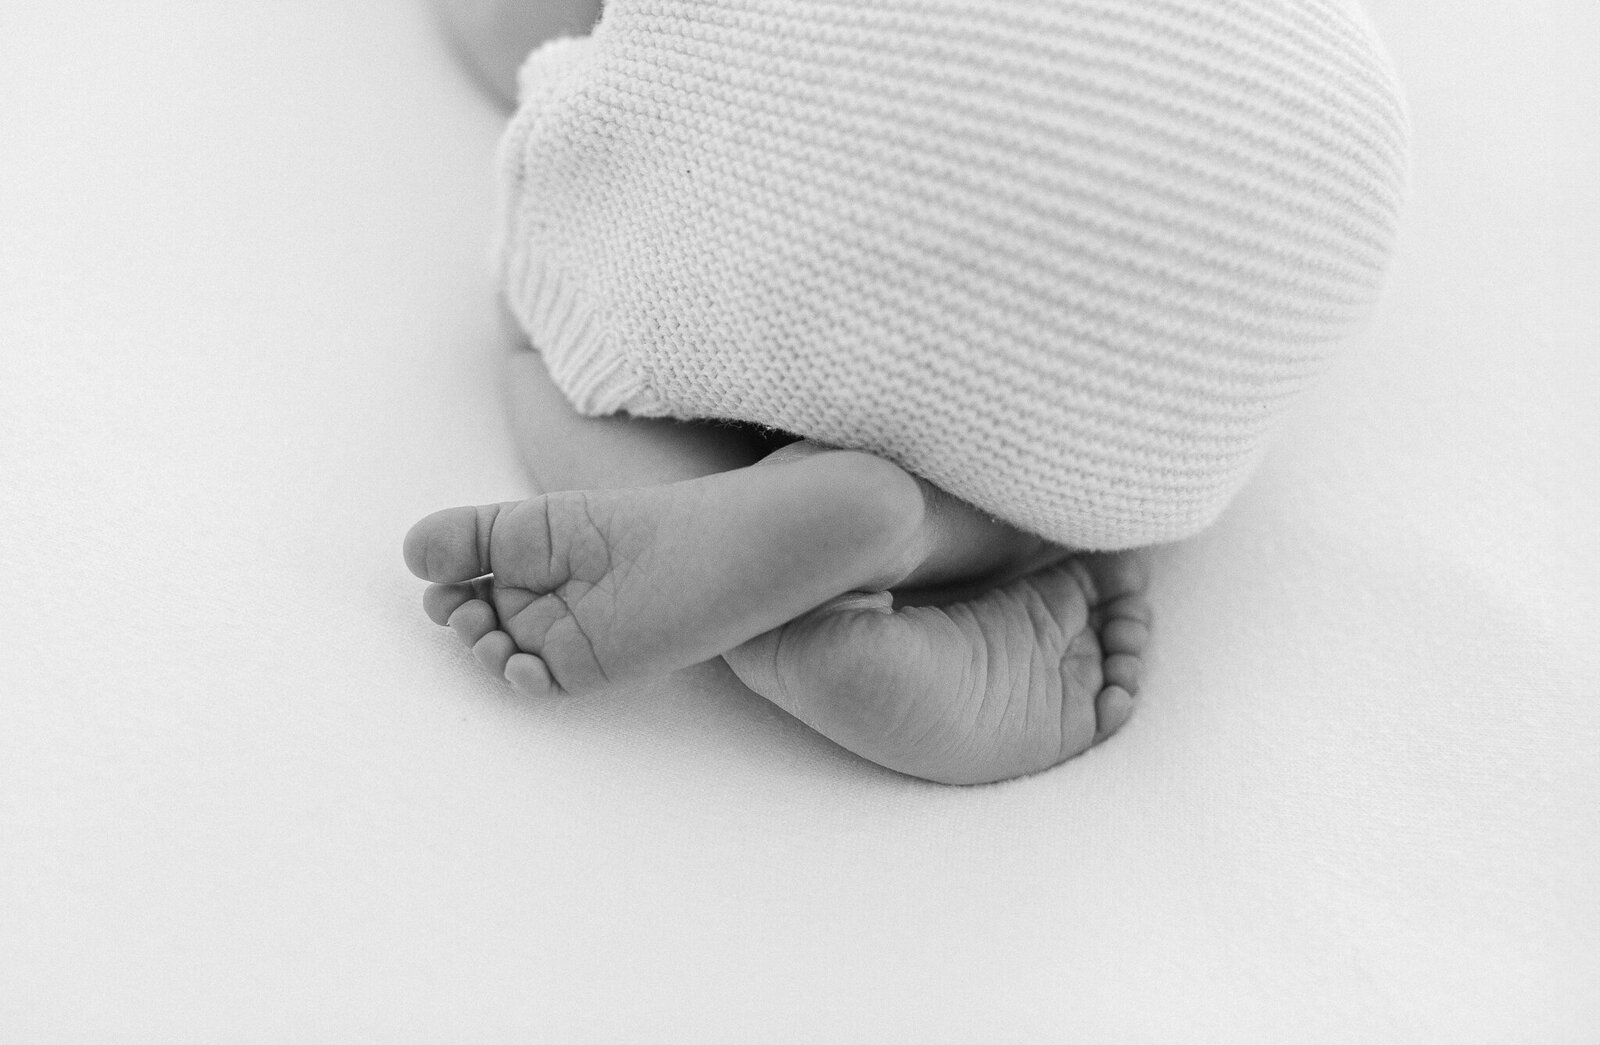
1066	259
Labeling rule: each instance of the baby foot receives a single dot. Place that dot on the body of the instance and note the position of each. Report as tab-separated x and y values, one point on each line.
1011	682
575	591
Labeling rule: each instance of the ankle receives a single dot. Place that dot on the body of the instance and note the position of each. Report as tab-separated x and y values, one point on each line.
889	511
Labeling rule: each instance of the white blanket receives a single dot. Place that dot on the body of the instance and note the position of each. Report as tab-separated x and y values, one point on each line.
248	792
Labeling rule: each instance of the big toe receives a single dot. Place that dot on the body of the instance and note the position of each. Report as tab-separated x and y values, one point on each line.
1118	575
450	546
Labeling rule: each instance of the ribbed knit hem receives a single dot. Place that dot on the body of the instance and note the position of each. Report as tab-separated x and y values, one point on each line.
566	327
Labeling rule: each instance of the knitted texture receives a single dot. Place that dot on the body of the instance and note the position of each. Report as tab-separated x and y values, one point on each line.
1066	259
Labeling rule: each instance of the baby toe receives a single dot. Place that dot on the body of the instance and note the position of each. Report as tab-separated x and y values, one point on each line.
1125	635
1113	707
451	545
1121	573
493	651
1122	670
1130	607
472	621
439	601
529	675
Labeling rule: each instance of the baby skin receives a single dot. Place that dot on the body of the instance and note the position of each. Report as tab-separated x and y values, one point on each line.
890	617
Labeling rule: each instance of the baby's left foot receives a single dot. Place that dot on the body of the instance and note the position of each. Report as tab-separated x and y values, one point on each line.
1012	682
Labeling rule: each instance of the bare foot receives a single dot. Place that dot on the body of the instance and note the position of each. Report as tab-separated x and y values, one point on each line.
598	587
1016	680
614	583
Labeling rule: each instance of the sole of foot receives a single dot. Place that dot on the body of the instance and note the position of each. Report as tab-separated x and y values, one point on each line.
1008	683
602	587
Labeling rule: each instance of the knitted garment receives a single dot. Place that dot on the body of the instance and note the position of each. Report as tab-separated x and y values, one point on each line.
1066	259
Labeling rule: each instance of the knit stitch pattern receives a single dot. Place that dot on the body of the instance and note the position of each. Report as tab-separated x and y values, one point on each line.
1066	259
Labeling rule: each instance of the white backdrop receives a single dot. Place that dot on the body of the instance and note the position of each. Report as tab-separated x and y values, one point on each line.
248	793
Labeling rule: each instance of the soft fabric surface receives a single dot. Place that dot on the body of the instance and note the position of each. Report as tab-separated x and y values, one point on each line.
248	793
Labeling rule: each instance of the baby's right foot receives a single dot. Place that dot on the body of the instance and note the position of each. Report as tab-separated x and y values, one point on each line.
572	592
